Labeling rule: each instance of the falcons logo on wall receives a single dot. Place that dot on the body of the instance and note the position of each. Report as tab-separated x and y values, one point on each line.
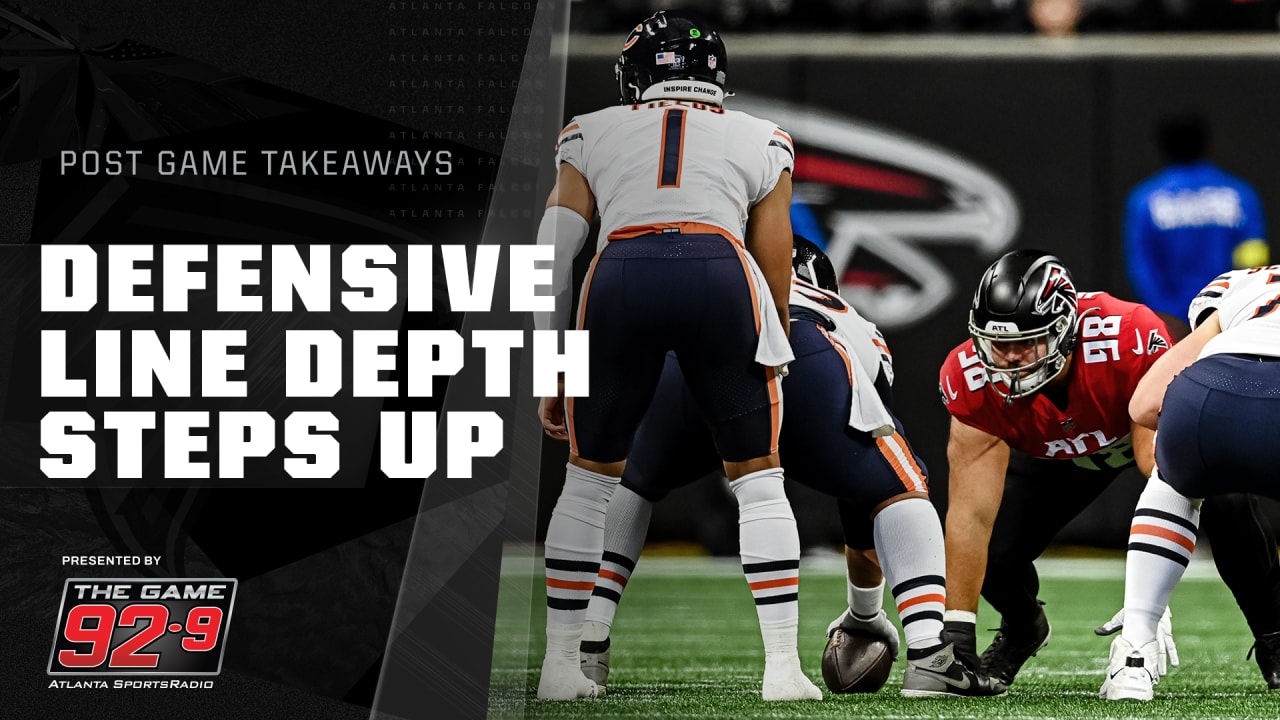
878	200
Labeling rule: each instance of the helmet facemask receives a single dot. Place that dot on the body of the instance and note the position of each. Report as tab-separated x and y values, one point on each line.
1025	297
1052	344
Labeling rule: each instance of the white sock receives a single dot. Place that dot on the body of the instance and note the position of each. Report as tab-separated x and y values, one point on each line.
1161	540
575	539
769	545
908	537
626	525
865	602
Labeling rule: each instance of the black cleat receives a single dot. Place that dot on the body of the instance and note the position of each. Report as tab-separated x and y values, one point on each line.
1013	646
1266	650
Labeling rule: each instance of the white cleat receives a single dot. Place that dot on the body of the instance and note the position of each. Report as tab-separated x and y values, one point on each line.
1131	674
565	681
784	680
594	661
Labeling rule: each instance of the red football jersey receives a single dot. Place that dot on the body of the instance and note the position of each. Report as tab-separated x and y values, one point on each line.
1117	342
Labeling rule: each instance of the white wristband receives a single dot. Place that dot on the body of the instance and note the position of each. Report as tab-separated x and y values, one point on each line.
565	230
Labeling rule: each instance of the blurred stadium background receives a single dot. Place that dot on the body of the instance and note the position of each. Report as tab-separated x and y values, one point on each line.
934	135
935	16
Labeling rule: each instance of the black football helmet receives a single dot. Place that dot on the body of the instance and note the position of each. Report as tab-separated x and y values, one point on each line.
672	55
1025	296
812	265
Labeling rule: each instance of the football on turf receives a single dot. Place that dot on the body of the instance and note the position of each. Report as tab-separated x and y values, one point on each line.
856	662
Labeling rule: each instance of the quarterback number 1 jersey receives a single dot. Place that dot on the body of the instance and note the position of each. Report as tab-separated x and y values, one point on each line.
635	156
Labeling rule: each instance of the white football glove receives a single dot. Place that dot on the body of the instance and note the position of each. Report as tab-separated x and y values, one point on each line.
879	627
1168	651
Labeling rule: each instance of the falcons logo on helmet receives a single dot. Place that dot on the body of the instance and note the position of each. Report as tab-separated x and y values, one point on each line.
1057	294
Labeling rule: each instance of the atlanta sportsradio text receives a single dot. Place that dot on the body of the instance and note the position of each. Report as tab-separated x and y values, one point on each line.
409	163
130	684
233	284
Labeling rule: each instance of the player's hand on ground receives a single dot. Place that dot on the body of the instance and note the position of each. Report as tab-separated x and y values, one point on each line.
1168	651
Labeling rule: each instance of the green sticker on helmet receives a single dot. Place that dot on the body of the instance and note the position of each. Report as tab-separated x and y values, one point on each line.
695	33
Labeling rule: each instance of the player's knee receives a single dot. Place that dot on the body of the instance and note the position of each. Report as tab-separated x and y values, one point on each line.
761	492
913	495
1234	505
609	469
741	469
585	493
1157	489
863	567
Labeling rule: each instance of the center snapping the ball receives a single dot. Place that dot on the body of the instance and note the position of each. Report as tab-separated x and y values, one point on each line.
856	662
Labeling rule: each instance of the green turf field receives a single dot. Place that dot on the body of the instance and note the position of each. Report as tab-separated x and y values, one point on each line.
686	645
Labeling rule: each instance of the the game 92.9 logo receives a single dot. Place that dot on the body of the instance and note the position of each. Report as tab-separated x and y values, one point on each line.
157	626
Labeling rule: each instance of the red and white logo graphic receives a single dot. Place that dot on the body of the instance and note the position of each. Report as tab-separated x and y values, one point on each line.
131	626
1057	294
884	199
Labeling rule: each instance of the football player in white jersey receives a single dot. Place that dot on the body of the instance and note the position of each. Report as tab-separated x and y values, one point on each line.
1217	396
694	257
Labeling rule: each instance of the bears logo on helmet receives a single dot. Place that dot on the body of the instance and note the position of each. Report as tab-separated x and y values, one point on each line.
672	55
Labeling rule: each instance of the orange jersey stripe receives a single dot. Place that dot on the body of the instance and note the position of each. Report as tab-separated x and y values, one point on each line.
775	409
582	317
569	585
848	367
755	297
935	598
784	136
901	442
904	475
570	128
611	575
1171	536
768	584
632	231
568	423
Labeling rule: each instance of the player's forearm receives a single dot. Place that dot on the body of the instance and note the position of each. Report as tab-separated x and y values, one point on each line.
1144	448
1148	397
967	537
768	239
772	252
779	279
978	462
